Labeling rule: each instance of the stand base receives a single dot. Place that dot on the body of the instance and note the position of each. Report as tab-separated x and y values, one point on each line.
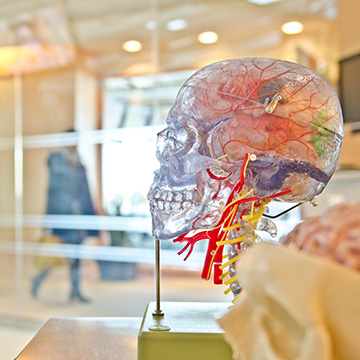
187	330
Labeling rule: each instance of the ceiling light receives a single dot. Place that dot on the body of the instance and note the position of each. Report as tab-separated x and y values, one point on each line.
132	46
262	2
292	27
208	37
176	24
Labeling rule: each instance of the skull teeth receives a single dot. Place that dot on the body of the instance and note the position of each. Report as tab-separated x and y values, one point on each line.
186	205
170	201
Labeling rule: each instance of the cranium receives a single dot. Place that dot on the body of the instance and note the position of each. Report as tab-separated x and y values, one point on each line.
280	119
293	306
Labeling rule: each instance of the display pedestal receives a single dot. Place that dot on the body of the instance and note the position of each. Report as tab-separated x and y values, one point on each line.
193	334
84	339
187	330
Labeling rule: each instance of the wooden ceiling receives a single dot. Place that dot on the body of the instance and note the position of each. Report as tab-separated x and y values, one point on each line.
98	29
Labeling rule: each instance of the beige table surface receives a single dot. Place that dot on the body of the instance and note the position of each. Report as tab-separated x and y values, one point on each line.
84	338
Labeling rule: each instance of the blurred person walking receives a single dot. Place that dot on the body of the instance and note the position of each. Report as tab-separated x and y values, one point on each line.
68	194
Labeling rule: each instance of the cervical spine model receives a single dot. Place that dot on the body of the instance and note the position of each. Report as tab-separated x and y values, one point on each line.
241	133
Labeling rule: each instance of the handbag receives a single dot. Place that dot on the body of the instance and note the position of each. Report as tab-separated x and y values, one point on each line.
43	262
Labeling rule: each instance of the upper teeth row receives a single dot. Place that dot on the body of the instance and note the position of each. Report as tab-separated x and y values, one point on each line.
172	196
167	200
167	205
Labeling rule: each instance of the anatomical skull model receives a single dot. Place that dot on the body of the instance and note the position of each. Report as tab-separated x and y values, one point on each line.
241	133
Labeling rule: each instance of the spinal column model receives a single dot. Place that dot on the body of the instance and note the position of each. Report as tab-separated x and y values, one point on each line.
241	133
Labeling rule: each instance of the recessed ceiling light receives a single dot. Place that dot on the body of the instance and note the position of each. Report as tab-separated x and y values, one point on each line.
132	46
262	2
176	24
208	37
292	27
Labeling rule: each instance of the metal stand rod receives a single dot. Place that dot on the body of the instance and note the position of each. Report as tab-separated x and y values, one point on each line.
157	311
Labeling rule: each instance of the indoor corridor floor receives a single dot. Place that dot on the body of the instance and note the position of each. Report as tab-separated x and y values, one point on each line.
108	298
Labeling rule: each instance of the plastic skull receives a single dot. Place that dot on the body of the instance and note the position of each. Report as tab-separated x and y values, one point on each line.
293	306
283	114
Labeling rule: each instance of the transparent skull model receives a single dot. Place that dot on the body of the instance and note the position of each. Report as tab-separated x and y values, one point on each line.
241	133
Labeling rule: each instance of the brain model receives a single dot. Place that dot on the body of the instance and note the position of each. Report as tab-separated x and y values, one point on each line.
241	133
334	235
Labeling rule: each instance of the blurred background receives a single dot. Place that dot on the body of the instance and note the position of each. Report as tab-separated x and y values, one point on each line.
110	70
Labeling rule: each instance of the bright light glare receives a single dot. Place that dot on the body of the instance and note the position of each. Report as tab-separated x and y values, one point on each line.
176	24
208	37
262	2
292	27
132	46
128	169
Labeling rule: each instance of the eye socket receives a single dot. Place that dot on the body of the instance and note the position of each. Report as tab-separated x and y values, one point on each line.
172	139
178	126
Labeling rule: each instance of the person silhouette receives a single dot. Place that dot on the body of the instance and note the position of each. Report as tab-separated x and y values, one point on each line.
68	194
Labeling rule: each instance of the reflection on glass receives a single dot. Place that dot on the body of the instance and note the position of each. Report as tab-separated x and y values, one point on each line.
35	40
133	101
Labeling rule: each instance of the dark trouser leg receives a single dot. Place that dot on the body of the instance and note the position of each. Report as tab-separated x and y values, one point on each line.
37	281
74	276
75	281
